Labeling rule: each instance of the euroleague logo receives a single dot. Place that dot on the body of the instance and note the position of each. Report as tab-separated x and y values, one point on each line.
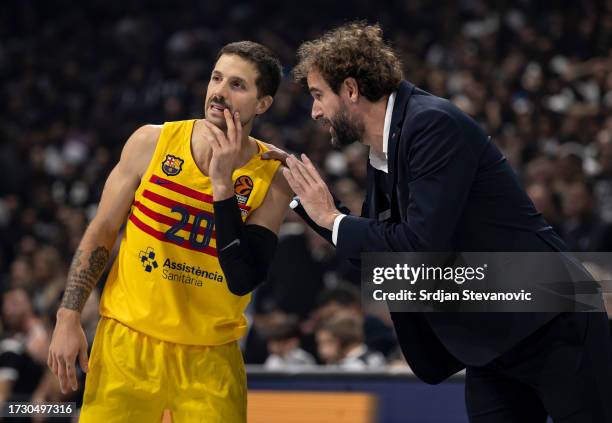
243	188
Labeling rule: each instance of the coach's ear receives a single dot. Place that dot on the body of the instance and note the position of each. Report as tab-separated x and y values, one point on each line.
263	104
352	89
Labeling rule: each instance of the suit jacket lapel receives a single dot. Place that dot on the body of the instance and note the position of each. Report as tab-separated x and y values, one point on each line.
397	119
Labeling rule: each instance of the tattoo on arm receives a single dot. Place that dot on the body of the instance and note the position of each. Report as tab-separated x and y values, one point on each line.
83	277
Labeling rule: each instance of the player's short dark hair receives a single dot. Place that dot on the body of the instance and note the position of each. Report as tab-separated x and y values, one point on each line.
267	63
355	50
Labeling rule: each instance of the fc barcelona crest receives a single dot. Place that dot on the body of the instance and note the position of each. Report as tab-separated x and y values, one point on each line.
172	165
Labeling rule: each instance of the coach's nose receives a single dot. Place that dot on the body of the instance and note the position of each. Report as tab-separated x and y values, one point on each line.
317	112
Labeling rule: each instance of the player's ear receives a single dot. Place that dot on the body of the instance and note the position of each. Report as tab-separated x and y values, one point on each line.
263	104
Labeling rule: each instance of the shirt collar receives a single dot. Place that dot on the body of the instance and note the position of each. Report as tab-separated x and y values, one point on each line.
379	161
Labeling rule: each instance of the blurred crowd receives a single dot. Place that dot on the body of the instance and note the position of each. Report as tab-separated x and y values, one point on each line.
78	78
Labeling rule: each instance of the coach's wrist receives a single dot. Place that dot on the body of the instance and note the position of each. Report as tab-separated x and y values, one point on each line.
327	221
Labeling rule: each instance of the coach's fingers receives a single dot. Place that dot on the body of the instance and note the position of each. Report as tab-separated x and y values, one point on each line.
281	156
295	185
312	170
300	169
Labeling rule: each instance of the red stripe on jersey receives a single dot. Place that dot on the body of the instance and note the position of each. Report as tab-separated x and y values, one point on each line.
161	200
161	236
182	189
162	218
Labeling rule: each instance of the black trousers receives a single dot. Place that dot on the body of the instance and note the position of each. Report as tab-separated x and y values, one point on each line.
563	370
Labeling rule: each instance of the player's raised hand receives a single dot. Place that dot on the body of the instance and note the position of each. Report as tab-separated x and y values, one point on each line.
68	343
226	148
314	195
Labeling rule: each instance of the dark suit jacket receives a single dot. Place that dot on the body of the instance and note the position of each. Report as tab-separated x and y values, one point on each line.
450	189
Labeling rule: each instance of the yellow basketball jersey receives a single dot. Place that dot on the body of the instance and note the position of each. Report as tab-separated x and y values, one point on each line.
166	281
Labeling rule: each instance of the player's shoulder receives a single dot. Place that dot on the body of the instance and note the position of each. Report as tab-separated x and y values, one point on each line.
145	137
141	145
148	132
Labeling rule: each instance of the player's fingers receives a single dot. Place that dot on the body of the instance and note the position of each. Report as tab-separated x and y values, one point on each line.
71	374
231	127
53	364
61	375
238	127
83	360
220	136
209	135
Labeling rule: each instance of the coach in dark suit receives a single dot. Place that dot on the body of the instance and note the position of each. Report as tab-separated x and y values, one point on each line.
436	182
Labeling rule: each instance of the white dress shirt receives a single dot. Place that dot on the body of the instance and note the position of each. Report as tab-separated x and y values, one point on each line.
377	160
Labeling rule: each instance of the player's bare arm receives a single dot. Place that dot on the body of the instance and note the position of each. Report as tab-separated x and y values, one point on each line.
93	254
274	208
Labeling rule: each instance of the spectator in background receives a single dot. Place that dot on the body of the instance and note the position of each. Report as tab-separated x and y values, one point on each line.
23	353
603	181
344	299
583	229
21	273
283	339
49	279
340	342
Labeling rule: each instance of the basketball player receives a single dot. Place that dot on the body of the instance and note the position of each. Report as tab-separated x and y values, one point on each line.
202	211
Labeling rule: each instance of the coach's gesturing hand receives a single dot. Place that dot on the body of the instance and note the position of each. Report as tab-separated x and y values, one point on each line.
275	153
314	195
225	155
67	343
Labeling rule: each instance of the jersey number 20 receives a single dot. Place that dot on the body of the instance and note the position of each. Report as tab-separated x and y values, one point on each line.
195	228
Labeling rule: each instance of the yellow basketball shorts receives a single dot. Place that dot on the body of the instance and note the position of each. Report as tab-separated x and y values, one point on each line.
134	378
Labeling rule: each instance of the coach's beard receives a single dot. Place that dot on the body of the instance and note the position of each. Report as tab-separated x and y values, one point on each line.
345	130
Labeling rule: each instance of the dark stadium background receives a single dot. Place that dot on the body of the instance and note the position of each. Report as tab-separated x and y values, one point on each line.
77	78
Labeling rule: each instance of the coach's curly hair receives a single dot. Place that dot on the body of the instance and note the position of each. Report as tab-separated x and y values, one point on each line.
354	50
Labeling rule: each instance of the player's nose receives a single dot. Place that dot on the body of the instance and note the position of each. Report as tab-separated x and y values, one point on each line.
220	92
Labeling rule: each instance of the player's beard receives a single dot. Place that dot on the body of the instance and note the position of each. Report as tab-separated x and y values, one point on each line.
345	129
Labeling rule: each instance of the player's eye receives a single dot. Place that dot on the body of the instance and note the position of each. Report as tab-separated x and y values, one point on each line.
216	78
